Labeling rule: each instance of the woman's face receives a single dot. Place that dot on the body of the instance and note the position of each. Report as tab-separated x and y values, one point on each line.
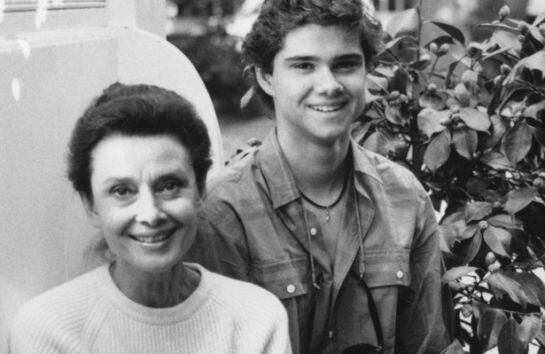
144	200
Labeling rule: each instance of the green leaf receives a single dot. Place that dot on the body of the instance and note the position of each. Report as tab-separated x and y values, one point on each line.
517	142
532	285
394	44
438	150
360	129
502	285
447	234
431	100
505	221
377	83
429	120
540	338
477	210
508	341
528	328
457	272
534	62
475	119
539	19
499	127
399	81
377	142
496	161
462	94
534	31
506	38
533	110
518	199
465	142
439	40
539	135
474	247
498	239
488	329
451	30
404	23
468	232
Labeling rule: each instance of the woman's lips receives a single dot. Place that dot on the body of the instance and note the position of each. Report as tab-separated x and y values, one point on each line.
153	238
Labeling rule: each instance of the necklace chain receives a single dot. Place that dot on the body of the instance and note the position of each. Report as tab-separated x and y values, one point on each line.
326	207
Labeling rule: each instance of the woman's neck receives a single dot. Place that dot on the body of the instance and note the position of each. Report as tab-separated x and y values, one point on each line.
155	290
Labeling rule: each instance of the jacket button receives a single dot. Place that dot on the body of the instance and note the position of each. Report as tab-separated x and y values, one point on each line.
330	334
399	274
313	231
290	288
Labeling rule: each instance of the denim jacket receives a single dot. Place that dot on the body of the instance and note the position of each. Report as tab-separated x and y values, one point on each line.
254	229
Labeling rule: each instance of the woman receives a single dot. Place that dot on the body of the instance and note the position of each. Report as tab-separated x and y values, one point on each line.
138	158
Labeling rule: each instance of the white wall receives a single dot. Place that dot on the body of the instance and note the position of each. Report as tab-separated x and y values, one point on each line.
48	74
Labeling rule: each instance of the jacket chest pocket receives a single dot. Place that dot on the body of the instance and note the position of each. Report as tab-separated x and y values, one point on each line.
387	267
286	279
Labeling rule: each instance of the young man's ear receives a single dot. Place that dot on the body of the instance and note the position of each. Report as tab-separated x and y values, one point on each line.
264	80
90	210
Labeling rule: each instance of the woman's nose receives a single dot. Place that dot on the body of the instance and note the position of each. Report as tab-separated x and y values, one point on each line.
328	84
148	212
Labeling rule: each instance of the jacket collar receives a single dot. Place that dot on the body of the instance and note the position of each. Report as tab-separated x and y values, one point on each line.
279	177
277	172
362	162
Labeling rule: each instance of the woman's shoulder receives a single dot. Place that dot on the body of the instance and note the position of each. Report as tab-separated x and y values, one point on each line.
241	297
60	308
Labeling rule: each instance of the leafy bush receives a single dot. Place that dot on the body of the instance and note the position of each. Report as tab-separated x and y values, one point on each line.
469	121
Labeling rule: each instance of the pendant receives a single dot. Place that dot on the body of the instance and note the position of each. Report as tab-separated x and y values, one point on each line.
327	217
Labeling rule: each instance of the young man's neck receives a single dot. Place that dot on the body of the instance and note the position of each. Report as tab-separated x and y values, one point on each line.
318	169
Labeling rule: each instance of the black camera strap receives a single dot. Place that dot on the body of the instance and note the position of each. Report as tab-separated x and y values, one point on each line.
374	316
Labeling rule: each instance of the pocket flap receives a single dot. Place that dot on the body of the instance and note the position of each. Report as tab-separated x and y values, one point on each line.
285	279
387	268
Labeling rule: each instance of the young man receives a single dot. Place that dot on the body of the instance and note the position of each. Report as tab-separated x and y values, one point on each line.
344	237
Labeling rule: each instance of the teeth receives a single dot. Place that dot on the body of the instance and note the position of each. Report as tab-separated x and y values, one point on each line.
326	108
159	237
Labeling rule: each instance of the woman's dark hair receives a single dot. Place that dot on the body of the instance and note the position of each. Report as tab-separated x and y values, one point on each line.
278	17
136	110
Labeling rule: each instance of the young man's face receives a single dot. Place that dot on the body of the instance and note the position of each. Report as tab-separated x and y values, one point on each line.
317	83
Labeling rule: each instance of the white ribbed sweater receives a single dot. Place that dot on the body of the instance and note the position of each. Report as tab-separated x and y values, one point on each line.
91	315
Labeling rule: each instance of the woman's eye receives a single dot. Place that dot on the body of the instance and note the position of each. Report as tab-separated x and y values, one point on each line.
169	187
121	191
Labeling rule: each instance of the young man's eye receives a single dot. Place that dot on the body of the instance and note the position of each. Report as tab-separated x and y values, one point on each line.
303	66
348	65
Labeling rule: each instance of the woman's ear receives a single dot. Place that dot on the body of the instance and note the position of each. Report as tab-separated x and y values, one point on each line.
90	210
264	80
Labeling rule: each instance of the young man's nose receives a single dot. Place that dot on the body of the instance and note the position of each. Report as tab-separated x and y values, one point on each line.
148	211
327	83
